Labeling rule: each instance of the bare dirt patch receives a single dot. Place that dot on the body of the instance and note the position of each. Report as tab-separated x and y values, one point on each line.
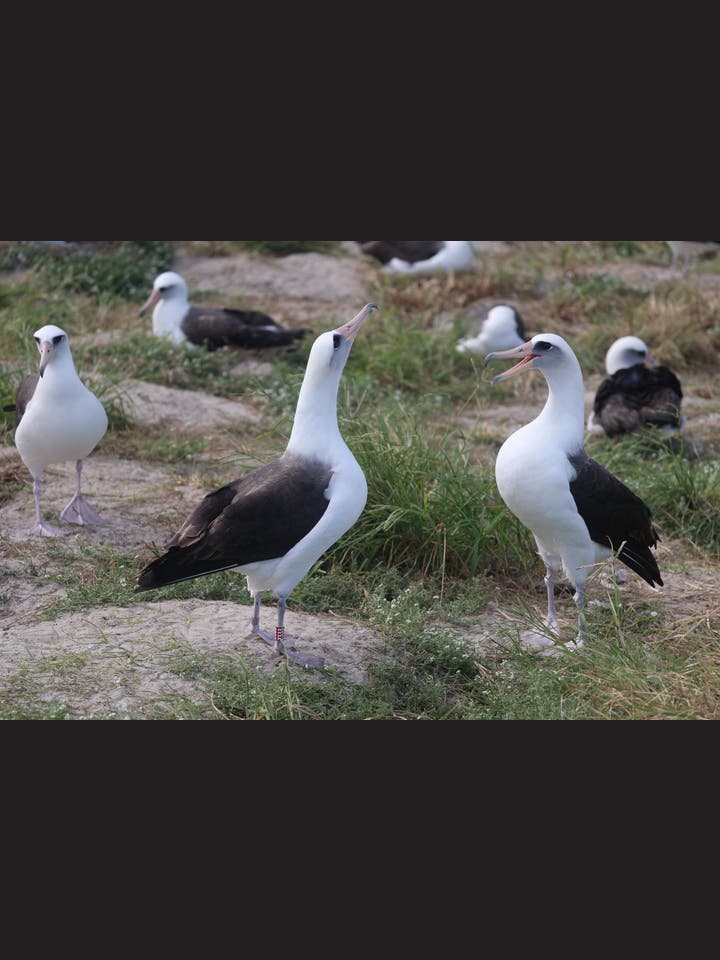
137	661
295	289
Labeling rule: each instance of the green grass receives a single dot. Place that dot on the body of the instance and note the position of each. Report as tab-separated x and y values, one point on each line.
125	270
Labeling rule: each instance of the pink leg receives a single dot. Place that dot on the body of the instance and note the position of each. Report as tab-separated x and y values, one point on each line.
79	510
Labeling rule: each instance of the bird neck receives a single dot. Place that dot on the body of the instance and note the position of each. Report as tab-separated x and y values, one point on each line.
315	431
168	315
564	412
60	375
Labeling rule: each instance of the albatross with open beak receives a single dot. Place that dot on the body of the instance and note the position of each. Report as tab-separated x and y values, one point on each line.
274	523
578	512
58	419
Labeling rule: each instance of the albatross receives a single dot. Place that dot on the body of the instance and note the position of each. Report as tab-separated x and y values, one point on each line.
411	251
274	523
637	393
451	256
578	512
58	419
501	328
211	327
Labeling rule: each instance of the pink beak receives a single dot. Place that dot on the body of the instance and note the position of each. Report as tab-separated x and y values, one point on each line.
351	329
524	352
46	350
155	296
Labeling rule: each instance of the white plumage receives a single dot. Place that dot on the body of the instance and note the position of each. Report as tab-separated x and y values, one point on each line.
59	420
501	328
274	523
455	256
578	512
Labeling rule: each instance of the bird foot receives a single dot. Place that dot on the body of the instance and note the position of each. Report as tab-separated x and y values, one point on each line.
79	511
286	648
43	529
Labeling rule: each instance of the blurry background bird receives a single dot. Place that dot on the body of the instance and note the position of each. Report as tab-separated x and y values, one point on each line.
211	327
637	393
500	328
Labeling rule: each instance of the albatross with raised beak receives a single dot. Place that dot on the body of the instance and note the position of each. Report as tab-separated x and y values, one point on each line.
58	419
578	512
274	523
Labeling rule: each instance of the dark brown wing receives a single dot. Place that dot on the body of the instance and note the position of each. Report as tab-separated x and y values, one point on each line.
637	397
615	516
413	251
25	394
220	327
259	517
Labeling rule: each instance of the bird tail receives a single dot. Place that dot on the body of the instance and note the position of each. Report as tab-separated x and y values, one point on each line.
637	556
176	566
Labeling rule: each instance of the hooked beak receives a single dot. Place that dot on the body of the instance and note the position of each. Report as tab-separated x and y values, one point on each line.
154	297
46	350
524	352
351	330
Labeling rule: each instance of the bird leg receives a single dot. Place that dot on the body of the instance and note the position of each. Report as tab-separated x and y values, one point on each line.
284	645
79	510
41	528
552	620
579	599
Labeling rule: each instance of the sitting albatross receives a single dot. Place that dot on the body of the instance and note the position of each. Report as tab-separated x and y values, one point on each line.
58	419
501	328
637	393
411	251
211	327
454	255
274	523
578	512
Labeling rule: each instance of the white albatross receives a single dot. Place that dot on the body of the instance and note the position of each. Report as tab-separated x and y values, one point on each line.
501	328
58	419
210	327
454	256
578	512
274	523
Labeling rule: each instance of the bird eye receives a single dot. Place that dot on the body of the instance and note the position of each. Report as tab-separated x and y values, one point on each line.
163	289
337	340
37	340
57	340
542	345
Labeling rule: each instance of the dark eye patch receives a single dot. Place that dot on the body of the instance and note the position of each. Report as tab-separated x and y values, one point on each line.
542	345
337	340
36	339
57	340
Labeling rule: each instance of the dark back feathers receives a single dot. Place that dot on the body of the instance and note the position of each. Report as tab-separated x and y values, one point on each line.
615	516
258	517
638	397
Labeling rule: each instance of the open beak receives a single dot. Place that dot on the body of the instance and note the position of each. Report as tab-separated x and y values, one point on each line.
351	330
526	361
154	297
46	350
